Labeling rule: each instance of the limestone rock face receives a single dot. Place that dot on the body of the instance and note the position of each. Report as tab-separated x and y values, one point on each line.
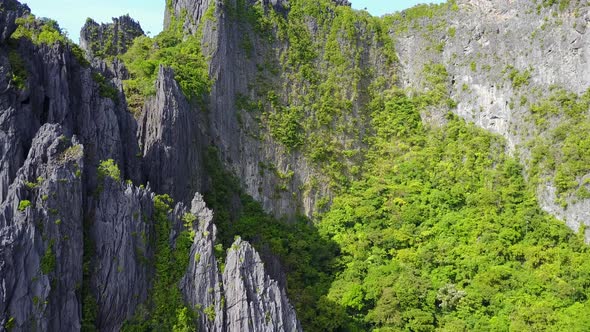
254	301
202	284
121	233
490	39
243	144
54	132
72	237
41	237
60	90
245	298
172	140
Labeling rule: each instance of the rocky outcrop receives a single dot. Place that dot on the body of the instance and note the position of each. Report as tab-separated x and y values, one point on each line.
47	184
194	11
254	301
202	284
172	140
41	237
60	90
121	234
111	39
245	298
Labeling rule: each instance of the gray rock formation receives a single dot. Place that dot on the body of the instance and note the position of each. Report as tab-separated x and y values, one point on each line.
172	140
244	145
60	90
195	9
122	235
47	236
245	298
111	39
54	206
41	237
202	284
254	301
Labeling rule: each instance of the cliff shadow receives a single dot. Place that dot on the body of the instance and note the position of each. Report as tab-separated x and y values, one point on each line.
295	254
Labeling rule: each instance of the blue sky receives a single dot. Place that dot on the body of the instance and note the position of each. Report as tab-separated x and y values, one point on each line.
71	14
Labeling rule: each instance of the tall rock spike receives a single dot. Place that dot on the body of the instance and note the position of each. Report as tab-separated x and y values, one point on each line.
254	301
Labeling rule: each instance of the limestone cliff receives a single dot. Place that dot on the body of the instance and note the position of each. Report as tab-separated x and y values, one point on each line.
504	59
287	181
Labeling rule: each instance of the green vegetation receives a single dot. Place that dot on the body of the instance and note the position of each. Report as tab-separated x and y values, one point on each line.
410	18
170	48
563	4
105	88
24	204
9	325
166	309
89	303
34	185
108	168
452	32
564	154
467	250
42	31
18	69
518	79
312	114
46	31
48	262
210	313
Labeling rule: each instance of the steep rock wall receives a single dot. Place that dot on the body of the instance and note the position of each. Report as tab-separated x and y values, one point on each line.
283	179
503	57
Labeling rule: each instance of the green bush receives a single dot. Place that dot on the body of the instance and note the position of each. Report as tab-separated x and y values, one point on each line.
519	79
39	31
285	127
46	31
108	168
166	308
105	88
24	204
48	261
18	69
170	48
